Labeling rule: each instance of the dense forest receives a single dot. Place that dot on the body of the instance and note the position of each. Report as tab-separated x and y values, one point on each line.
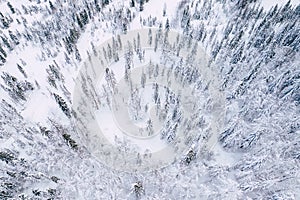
211	87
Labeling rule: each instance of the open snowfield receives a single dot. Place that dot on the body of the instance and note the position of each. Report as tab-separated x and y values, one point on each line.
119	126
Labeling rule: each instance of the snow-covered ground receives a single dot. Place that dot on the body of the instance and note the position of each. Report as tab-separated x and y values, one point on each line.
70	134
120	125
268	4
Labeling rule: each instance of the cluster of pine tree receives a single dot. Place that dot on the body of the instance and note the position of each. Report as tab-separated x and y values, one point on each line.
257	53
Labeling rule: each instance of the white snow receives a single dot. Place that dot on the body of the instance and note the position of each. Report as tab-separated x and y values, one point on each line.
268	4
111	135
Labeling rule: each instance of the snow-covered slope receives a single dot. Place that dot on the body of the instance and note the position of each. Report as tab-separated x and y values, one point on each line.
252	47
